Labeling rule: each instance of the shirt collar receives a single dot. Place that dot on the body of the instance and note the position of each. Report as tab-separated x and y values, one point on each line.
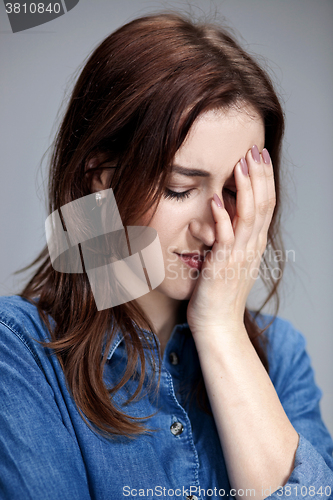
119	338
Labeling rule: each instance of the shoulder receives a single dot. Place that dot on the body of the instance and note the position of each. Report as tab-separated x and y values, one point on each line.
18	314
21	325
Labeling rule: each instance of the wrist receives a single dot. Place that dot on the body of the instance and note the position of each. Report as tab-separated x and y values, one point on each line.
209	336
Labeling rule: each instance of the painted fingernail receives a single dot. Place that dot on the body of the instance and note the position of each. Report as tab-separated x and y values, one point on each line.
244	166
255	154
266	157
218	201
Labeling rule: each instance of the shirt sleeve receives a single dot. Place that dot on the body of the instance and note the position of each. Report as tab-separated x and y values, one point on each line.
294	381
39	458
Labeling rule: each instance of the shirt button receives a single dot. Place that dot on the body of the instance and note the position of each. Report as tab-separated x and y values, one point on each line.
173	358
176	428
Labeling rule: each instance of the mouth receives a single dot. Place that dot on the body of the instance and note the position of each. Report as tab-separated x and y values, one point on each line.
192	259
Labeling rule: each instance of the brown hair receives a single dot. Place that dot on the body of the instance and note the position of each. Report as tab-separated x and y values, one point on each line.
132	107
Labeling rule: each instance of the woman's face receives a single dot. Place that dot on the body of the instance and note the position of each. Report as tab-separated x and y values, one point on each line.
202	166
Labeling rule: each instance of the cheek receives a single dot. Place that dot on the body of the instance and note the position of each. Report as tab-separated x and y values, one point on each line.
168	228
169	219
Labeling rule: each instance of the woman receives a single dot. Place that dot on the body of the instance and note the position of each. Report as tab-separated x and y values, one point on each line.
182	391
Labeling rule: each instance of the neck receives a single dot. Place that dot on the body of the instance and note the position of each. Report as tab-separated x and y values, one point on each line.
163	313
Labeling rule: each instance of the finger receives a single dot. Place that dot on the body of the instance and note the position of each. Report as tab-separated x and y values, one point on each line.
224	234
245	210
260	192
270	190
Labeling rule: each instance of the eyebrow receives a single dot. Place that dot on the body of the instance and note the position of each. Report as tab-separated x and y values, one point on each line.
193	172
189	172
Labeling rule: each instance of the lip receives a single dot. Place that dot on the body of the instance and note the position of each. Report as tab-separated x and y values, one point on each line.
192	259
195	254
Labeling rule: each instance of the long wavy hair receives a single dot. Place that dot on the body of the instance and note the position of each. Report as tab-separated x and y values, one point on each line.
131	109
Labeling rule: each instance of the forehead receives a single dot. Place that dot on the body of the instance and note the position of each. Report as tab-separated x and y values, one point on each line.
219	138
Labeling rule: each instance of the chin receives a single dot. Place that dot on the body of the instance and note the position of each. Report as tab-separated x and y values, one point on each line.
178	290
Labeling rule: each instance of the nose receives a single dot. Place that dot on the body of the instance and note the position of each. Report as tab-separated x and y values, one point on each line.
202	226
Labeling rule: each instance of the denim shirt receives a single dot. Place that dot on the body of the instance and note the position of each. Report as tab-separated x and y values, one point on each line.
47	451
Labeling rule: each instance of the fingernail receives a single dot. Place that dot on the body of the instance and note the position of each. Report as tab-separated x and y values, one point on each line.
244	166
218	201
255	154
266	157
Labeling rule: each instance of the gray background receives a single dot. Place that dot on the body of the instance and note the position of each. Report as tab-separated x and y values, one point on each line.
292	37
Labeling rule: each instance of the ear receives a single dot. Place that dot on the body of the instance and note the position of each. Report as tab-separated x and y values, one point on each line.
99	179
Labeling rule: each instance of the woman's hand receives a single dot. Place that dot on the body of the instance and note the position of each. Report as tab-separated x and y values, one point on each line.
249	417
232	266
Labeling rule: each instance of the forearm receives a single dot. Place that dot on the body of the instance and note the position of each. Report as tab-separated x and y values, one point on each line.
259	443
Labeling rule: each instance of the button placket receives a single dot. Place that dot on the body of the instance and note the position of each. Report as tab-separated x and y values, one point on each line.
180	428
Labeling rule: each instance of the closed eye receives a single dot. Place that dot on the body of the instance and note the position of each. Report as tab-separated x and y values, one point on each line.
178	196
